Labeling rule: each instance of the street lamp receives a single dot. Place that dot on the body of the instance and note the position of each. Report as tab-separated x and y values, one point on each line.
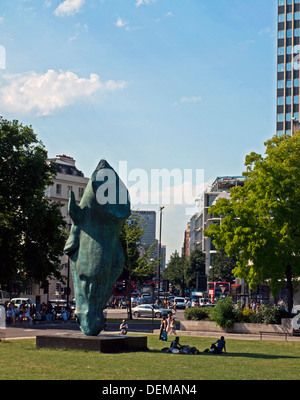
159	251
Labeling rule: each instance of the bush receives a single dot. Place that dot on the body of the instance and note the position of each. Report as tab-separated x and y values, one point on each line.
223	313
196	314
243	315
269	314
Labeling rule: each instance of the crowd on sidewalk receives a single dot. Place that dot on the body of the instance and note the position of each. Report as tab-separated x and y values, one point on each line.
29	313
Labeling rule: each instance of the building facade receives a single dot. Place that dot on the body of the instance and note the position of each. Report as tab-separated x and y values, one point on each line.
288	45
202	220
68	178
148	224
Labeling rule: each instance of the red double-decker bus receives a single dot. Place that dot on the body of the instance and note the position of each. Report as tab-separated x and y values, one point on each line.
218	290
121	288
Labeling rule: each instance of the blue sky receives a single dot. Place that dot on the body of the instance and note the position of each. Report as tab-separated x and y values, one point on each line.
186	84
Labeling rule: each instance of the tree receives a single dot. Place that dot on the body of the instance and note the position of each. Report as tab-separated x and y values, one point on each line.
195	268
138	262
175	271
32	229
261	220
222	267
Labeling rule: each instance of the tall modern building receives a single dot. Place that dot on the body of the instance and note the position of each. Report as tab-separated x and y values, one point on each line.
148	224
288	66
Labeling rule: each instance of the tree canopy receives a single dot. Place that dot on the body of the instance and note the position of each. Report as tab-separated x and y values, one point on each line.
175	270
260	224
32	229
195	268
140	263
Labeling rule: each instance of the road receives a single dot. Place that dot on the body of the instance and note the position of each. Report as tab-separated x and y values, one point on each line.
57	327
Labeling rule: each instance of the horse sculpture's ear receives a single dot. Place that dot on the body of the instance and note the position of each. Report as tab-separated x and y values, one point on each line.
74	209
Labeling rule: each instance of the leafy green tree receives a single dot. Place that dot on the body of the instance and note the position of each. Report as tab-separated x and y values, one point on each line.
32	229
140	263
222	267
195	267
261	220
175	271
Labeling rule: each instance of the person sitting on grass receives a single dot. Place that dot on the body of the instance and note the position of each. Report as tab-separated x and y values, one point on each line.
218	346
175	344
124	327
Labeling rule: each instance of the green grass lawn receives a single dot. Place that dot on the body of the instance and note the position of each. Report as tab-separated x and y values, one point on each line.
245	360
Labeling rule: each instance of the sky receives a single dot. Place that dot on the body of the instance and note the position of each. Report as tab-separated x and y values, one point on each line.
156	85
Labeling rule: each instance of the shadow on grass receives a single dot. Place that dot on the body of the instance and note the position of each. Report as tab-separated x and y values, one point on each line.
233	355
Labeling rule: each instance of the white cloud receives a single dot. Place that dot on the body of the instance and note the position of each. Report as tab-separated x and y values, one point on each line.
266	31
43	94
169	14
69	7
144	2
193	99
121	23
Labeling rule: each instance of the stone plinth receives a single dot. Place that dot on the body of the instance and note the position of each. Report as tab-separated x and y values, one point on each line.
100	343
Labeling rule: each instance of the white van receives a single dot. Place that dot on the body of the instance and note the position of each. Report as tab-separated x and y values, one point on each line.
4	297
19	300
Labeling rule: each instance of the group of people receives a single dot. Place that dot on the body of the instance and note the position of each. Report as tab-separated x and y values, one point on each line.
216	348
31	313
167	327
16	315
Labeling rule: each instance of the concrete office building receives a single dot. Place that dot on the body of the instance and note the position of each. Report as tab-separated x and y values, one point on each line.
288	42
148	224
201	221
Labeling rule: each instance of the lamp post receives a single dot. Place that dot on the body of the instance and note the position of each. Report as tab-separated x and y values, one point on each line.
159	251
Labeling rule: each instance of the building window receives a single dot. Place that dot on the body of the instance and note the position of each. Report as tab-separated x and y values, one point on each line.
280	67
280	85
58	189
69	188
280	118
280	101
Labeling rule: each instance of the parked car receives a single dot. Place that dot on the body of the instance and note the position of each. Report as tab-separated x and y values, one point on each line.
147	299
180	302
147	310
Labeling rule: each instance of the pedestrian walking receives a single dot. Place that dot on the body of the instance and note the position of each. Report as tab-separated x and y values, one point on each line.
163	328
